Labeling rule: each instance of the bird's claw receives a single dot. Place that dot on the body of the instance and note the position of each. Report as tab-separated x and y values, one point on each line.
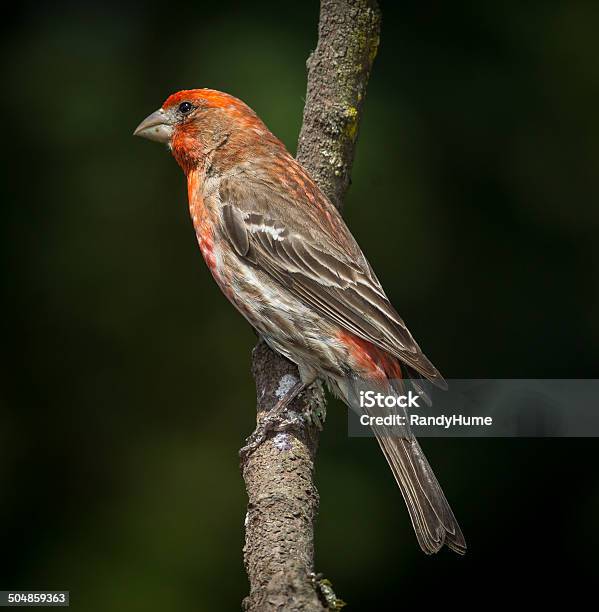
277	422
281	418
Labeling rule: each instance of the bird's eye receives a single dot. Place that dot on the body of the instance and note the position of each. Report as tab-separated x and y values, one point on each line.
185	107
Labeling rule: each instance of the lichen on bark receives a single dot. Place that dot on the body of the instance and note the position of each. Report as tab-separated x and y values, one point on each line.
338	72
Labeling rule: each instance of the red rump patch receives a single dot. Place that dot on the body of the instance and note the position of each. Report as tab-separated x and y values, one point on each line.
370	359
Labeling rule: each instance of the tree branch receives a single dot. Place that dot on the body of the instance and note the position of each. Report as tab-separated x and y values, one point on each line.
282	497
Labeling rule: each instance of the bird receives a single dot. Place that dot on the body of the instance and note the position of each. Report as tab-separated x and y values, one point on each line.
282	254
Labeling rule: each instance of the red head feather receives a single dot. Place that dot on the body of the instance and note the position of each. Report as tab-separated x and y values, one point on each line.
219	117
207	98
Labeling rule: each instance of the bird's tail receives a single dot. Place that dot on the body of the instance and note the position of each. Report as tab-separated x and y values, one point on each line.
432	518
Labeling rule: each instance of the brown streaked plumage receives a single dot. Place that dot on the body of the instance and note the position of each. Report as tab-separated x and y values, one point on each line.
282	254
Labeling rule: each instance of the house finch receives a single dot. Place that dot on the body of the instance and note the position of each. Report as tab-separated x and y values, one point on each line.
282	254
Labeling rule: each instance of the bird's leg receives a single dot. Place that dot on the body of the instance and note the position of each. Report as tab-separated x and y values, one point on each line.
273	421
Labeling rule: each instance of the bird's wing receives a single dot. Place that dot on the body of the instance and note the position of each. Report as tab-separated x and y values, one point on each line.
317	261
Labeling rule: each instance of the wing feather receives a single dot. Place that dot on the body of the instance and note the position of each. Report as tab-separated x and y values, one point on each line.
326	271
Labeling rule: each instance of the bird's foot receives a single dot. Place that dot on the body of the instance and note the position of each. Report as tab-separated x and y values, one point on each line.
279	418
271	423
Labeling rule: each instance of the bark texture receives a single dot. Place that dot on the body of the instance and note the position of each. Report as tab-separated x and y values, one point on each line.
282	497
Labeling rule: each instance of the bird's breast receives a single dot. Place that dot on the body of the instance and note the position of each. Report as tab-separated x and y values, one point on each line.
203	216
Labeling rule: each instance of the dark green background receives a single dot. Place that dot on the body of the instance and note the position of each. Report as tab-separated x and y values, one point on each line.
126	389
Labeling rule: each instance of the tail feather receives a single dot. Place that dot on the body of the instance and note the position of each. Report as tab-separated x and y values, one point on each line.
431	515
432	518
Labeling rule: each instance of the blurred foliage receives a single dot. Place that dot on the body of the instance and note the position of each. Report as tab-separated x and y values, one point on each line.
126	389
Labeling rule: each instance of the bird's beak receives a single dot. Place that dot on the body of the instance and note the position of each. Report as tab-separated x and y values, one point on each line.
156	126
